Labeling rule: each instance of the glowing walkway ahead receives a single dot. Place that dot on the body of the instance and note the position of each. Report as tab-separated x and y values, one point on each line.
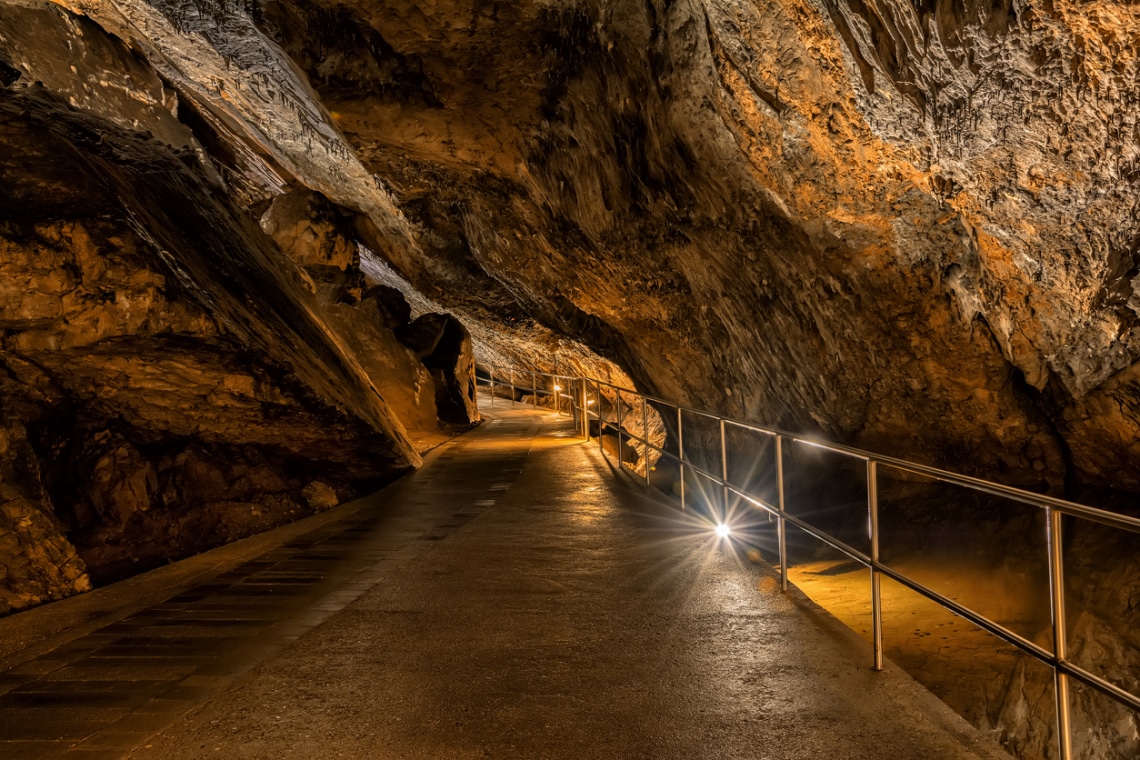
512	599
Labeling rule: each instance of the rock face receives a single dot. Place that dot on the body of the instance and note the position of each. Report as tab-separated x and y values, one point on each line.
863	219
911	228
424	370
172	377
444	346
37	563
1103	638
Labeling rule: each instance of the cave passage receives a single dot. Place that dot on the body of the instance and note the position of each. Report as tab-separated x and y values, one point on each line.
509	599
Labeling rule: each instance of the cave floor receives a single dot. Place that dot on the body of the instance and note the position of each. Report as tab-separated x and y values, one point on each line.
510	599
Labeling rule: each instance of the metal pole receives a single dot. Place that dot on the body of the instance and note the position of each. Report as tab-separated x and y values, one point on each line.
781	534
1060	638
598	386
645	434
586	409
534	388
681	455
492	371
512	386
723	472
876	596
585	419
621	460
586	400
576	404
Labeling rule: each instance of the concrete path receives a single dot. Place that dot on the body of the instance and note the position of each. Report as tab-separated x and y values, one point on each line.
512	599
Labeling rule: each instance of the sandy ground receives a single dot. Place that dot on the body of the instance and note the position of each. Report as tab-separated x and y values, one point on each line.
965	666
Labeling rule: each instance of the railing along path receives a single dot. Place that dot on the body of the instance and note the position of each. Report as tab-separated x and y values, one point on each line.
576	392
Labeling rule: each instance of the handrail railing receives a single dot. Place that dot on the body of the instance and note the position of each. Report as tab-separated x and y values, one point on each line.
1054	508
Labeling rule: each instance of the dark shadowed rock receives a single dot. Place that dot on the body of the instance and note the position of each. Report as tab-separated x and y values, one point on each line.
402	380
610	442
611	433
37	562
424	334
320	496
118	481
311	231
146	321
392	308
444	346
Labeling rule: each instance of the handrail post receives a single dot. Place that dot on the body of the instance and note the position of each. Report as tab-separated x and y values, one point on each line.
585	407
723	472
781	533
1060	637
579	402
645	434
876	581
512	386
534	388
491	370
621	460
681	455
585	384
598	386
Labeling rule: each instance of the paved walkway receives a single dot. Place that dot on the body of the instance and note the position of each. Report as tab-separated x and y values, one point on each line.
511	599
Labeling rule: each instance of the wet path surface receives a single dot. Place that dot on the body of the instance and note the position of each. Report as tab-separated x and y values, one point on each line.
511	599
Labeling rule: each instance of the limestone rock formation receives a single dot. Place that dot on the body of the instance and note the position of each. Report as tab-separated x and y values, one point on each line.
444	346
37	562
878	221
171	378
422	385
392	309
848	218
310	231
1104	638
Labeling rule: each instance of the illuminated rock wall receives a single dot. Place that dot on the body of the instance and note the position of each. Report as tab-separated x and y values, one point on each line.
172	379
911	229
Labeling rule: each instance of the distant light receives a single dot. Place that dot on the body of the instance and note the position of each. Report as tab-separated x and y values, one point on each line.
558	387
589	402
722	530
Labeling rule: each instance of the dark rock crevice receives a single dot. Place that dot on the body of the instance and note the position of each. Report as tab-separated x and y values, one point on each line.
339	51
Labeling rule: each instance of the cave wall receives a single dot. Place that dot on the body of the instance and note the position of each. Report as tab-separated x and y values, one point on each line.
907	227
171	377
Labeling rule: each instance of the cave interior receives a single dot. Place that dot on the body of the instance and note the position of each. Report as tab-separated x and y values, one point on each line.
252	253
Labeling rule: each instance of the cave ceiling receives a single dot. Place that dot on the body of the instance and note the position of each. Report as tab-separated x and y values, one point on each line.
910	226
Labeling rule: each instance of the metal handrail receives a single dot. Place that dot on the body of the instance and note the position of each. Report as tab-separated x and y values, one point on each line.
1054	508
994	489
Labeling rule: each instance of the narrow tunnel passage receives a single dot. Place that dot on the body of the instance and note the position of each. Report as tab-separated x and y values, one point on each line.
510	599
